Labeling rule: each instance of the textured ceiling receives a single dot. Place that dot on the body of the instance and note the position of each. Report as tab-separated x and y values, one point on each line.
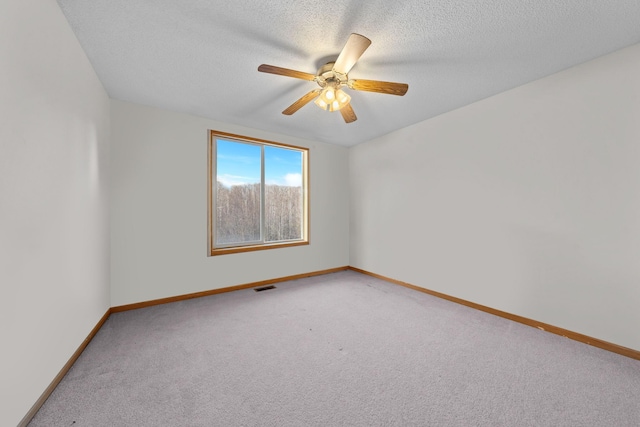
201	56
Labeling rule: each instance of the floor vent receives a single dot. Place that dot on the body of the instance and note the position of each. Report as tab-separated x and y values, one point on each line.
265	288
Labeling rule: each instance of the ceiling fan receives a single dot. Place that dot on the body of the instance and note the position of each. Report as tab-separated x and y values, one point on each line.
333	77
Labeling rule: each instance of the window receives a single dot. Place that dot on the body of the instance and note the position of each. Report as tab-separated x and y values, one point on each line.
258	194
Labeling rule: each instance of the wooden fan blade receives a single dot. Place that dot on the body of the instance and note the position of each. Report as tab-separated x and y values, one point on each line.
301	102
272	69
381	87
351	52
348	114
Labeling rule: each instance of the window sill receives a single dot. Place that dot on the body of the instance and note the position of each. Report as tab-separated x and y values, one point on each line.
261	247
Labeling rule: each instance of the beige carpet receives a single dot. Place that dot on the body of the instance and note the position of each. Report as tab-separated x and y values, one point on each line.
337	350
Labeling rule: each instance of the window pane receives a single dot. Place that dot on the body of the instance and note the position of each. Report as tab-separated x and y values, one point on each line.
237	201
283	196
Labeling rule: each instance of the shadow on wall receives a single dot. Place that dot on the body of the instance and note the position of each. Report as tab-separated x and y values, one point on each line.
574	283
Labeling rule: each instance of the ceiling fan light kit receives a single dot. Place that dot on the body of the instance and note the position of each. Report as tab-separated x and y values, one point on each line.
331	99
333	77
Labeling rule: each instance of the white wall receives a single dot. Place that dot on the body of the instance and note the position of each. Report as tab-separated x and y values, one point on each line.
159	209
527	202
54	238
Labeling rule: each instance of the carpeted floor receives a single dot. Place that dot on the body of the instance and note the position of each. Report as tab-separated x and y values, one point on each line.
343	349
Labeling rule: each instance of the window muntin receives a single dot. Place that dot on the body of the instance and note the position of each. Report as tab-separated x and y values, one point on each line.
258	194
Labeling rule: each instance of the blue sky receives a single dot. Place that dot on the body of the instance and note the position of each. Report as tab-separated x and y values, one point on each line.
239	163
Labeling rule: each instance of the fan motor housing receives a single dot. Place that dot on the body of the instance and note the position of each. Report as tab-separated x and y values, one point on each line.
327	76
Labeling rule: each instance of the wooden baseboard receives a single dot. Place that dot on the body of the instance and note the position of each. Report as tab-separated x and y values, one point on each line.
634	354
45	395
615	348
222	290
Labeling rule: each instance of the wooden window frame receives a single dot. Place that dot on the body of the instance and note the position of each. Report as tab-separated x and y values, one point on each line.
212	250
